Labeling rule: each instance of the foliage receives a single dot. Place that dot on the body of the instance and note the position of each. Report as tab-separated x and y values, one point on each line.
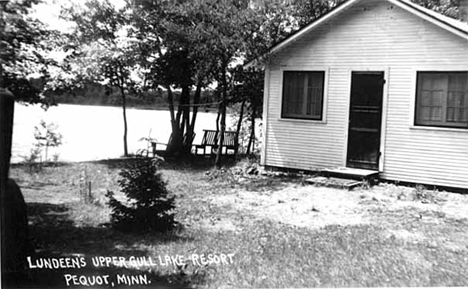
46	136
149	147
33	160
248	88
149	207
25	51
189	45
305	12
102	52
446	7
311	10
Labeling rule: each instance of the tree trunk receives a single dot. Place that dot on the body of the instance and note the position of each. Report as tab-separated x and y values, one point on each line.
170	99
241	116
174	124
190	134
223	115
222	130
124	110
196	103
252	131
218	117
181	123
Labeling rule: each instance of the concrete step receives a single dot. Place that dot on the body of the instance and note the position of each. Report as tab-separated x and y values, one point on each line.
351	173
339	183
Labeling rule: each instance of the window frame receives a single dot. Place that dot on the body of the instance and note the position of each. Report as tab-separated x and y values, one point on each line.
444	124
324	72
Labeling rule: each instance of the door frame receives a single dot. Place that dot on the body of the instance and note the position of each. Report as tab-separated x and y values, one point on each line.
383	127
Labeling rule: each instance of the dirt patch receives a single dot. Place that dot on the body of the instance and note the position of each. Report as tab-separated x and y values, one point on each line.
308	206
317	207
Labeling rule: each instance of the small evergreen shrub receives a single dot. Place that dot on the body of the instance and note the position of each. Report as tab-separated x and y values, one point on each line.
150	206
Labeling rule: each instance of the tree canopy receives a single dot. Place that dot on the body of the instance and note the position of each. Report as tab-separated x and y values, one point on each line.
183	45
25	47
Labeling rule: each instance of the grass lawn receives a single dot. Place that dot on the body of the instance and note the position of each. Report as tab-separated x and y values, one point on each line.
276	231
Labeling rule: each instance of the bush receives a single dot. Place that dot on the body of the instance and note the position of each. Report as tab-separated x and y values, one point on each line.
149	207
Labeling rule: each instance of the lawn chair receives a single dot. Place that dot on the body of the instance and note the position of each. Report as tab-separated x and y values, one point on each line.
186	141
154	144
210	139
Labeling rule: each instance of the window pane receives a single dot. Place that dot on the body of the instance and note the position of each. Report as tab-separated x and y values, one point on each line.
439	82
450	114
462	115
292	93
437	97
442	99
457	98
436	114
426	97
302	94
457	82
425	114
314	95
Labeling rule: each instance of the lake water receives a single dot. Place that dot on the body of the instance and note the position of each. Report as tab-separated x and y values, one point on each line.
96	132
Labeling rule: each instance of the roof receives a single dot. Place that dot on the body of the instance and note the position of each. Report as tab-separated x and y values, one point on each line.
454	26
452	23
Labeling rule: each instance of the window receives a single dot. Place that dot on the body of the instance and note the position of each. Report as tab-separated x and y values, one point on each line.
442	99
303	94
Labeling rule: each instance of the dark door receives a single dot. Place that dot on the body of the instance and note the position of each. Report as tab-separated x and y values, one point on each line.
365	120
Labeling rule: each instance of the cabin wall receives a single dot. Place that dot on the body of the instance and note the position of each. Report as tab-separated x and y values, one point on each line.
375	36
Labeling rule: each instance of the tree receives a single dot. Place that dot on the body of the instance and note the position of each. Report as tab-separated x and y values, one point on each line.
102	50
308	11
248	88
446	7
25	51
150	205
170	35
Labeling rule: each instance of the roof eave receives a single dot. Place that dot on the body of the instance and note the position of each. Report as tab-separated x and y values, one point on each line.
420	13
405	6
293	37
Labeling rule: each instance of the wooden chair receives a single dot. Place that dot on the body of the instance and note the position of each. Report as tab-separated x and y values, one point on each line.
230	141
154	144
210	139
185	141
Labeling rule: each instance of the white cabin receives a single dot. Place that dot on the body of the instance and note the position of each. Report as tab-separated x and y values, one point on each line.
374	84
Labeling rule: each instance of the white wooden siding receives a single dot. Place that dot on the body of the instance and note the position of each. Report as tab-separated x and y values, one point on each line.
374	35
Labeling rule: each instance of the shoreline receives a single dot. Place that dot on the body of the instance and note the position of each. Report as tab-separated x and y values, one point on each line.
202	108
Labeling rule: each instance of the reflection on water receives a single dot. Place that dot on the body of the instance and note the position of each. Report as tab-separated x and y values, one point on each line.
96	132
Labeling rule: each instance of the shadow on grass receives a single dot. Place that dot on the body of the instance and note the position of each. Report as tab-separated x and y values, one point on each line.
269	183
54	235
194	163
43	165
36	185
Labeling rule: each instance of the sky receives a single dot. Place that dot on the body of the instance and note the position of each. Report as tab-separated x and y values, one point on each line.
48	12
